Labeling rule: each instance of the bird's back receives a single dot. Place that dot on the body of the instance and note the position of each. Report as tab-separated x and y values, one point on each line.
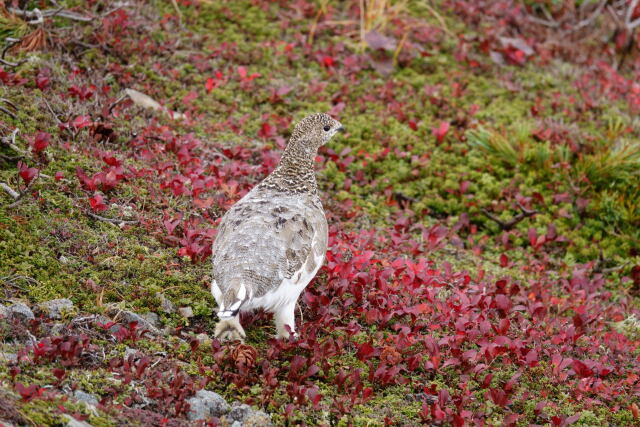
267	237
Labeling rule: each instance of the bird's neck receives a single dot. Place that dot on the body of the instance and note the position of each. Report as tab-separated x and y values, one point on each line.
294	173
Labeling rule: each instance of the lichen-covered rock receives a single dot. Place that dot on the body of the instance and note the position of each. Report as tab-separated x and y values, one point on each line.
257	419
20	311
186	312
244	415
85	397
58	329
125	317
57	307
152	318
206	404
166	304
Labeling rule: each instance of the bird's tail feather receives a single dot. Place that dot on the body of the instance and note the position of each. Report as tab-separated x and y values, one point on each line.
235	295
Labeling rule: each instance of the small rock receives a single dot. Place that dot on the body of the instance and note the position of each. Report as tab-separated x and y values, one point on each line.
166	304
85	397
152	318
239	411
246	416
4	312
20	311
58	329
72	422
185	312
257	419
57	307
125	317
206	404
63	259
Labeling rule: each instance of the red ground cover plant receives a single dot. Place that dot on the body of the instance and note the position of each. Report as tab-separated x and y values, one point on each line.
383	312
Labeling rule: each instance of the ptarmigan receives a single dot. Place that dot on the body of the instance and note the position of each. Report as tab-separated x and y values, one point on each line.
272	242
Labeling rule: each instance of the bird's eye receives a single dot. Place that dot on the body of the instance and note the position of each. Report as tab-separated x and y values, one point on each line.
327	128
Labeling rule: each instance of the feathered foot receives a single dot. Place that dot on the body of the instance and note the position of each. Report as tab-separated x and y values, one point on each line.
283	318
230	329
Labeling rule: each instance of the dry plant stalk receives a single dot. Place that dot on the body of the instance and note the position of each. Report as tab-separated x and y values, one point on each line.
36	40
376	15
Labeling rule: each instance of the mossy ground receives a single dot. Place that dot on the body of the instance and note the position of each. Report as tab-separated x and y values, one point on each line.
50	248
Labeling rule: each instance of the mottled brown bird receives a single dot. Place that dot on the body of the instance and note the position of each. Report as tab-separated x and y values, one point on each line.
272	242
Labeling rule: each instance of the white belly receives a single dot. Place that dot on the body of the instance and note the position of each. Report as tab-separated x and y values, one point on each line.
285	294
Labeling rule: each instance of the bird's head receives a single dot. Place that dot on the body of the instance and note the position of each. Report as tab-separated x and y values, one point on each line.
315	130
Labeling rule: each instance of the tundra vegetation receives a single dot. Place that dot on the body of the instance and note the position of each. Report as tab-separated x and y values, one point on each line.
484	208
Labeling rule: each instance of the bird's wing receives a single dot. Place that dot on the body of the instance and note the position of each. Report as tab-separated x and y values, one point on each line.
264	239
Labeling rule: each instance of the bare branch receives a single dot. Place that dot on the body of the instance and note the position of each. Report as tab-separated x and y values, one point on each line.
10	191
55	116
22	193
10	42
551	24
590	19
630	9
508	225
39	14
11	143
117	101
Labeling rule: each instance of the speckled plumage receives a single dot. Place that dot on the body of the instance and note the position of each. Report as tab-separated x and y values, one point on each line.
272	242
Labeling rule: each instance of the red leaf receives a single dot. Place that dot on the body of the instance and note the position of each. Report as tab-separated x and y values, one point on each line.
413	125
59	373
498	396
634	410
570	420
328	61
43	78
40	142
81	122
210	84
27	173
441	131
112	160
418	309
86	182
189	98
28	393
581	369
203	203
97	203
504	260
503	303
365	351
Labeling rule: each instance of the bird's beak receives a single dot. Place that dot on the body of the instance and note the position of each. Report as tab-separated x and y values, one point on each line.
341	129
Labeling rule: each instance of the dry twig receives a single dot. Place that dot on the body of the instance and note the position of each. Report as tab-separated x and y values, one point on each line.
18	197
7	111
55	116
38	15
508	225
